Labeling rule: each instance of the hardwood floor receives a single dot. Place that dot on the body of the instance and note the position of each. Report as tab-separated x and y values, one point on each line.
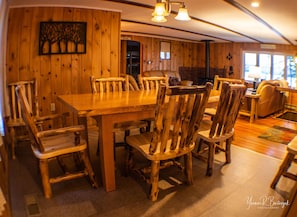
246	135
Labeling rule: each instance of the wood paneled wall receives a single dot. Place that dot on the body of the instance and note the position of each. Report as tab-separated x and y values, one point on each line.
61	73
182	53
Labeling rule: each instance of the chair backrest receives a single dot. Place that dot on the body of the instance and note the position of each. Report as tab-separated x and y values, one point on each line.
30	90
28	116
231	98
111	84
218	83
132	83
150	83
177	119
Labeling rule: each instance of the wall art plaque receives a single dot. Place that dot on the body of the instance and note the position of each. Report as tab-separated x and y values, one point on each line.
62	38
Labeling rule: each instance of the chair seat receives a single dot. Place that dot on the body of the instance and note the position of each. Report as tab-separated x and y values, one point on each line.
210	111
142	142
15	123
205	136
59	145
213	100
205	124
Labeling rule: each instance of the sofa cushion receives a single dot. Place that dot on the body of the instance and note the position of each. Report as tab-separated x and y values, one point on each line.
152	74
161	73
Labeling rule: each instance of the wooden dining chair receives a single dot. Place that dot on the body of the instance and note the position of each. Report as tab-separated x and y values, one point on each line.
179	111
113	84
133	85
218	83
54	145
151	82
287	163
220	134
15	120
217	89
110	84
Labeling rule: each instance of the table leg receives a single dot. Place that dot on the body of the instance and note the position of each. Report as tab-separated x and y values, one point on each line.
105	124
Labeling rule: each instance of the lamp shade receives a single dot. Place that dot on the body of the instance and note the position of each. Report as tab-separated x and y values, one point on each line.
160	10
159	19
163	9
183	14
254	72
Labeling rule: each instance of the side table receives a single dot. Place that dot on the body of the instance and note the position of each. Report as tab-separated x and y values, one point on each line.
253	113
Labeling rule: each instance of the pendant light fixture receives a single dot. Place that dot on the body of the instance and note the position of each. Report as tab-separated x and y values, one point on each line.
163	9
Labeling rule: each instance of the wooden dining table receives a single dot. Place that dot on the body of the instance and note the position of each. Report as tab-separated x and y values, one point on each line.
108	109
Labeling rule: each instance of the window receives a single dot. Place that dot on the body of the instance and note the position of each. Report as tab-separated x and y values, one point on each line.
165	50
272	66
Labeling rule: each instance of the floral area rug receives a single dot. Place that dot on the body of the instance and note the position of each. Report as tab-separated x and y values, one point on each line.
279	134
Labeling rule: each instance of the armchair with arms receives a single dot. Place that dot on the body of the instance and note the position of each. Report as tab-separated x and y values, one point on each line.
56	144
15	119
270	100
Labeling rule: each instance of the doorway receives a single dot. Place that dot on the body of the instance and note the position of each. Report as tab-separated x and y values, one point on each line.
131	58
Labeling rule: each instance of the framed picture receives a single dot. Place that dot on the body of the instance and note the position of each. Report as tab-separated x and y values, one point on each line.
62	38
165	50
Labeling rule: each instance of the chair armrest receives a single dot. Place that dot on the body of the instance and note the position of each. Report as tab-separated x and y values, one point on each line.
50	117
53	132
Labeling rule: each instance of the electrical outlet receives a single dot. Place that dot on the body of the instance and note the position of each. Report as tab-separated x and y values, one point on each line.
53	107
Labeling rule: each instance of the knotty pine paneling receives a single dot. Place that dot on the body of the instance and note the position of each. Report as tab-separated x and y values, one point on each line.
61	73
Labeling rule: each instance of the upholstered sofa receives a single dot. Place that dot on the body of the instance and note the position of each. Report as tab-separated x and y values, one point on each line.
271	100
161	73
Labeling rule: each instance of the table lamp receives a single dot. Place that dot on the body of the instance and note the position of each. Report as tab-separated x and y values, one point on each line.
255	73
